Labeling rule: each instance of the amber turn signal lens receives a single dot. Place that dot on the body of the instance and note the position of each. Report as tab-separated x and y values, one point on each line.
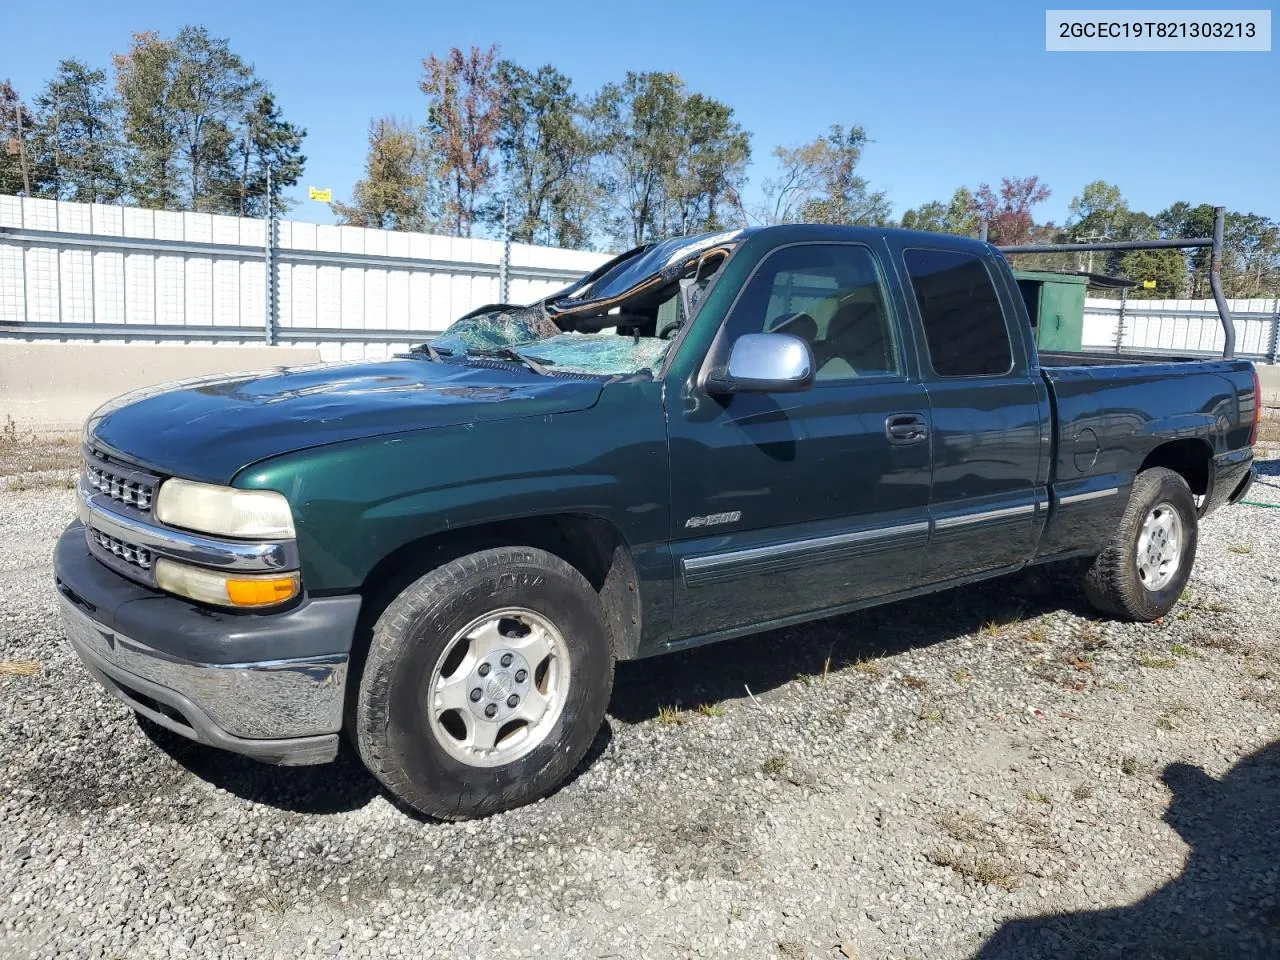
261	593
210	586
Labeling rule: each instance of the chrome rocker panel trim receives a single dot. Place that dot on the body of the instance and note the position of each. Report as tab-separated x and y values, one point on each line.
1091	495
282	711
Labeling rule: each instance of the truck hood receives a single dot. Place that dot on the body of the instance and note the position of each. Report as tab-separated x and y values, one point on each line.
211	428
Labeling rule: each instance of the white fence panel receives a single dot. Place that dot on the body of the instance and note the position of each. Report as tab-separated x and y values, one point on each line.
1180	326
109	273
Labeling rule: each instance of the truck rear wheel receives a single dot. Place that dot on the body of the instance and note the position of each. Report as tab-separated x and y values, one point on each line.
486	681
1143	570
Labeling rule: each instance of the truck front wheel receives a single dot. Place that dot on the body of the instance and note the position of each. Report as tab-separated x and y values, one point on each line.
1143	570
486	681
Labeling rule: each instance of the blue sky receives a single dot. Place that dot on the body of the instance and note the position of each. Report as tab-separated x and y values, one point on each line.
950	93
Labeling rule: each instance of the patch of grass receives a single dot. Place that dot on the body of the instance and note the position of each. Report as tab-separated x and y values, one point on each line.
669	716
1262	697
774	766
1269	429
1037	796
41	481
1036	634
899	734
1082	791
24	452
779	768
931	715
1241	548
1213	641
1261	673
914	682
275	902
997	626
711	710
1164	722
1130	766
1182	650
19	668
962	825
871	668
963	675
1156	662
981	869
1091	639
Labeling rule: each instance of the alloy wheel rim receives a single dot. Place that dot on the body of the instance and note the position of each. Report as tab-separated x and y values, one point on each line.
1160	546
499	687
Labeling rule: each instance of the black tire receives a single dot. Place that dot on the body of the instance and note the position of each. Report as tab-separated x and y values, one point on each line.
1112	584
392	729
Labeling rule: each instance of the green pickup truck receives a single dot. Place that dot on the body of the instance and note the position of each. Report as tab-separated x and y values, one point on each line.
444	554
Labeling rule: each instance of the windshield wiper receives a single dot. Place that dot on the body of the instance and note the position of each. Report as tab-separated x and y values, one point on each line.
433	353
536	364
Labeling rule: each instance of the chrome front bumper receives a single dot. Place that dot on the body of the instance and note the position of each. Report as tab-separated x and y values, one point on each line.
278	711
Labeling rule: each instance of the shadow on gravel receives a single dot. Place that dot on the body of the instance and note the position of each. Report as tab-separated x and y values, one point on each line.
336	787
766	661
1226	903
329	788
1268	473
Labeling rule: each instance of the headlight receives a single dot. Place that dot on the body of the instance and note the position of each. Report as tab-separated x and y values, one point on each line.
224	511
225	590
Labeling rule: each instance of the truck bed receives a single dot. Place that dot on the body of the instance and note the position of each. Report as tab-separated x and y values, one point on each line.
1109	359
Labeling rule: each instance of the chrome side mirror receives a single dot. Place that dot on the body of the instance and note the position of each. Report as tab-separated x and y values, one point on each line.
765	363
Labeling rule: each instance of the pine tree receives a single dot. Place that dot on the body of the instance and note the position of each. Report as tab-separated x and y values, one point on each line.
201	127
79	133
267	141
547	152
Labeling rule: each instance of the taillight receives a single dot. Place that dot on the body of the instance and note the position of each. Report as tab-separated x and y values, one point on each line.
1257	407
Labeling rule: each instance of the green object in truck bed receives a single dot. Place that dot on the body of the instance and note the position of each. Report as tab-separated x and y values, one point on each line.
1055	302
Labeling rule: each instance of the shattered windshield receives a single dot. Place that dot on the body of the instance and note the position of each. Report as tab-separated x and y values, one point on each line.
619	321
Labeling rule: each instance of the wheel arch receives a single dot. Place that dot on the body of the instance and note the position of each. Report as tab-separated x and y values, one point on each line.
1189	457
591	545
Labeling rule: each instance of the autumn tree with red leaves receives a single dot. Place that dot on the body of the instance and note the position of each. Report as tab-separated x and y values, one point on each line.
465	113
1008	216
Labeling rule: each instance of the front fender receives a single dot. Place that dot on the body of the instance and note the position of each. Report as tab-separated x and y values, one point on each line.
356	503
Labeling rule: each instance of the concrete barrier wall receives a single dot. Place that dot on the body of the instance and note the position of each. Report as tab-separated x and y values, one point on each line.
52	387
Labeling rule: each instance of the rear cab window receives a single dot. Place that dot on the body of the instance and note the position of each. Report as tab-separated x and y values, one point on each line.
964	323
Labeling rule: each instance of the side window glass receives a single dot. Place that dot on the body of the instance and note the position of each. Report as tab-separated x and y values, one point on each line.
963	323
829	295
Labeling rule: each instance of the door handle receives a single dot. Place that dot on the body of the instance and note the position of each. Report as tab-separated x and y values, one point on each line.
904	428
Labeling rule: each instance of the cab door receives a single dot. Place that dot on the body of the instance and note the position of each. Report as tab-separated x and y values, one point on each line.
789	503
989	409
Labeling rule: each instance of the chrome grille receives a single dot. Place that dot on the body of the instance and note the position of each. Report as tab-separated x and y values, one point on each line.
130	553
131	487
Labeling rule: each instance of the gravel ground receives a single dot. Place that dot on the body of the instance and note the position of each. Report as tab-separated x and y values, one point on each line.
988	772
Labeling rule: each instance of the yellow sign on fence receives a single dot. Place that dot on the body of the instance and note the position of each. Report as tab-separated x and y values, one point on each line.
324	196
1146	284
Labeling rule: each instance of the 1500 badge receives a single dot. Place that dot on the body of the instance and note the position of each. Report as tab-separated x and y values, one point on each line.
711	519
